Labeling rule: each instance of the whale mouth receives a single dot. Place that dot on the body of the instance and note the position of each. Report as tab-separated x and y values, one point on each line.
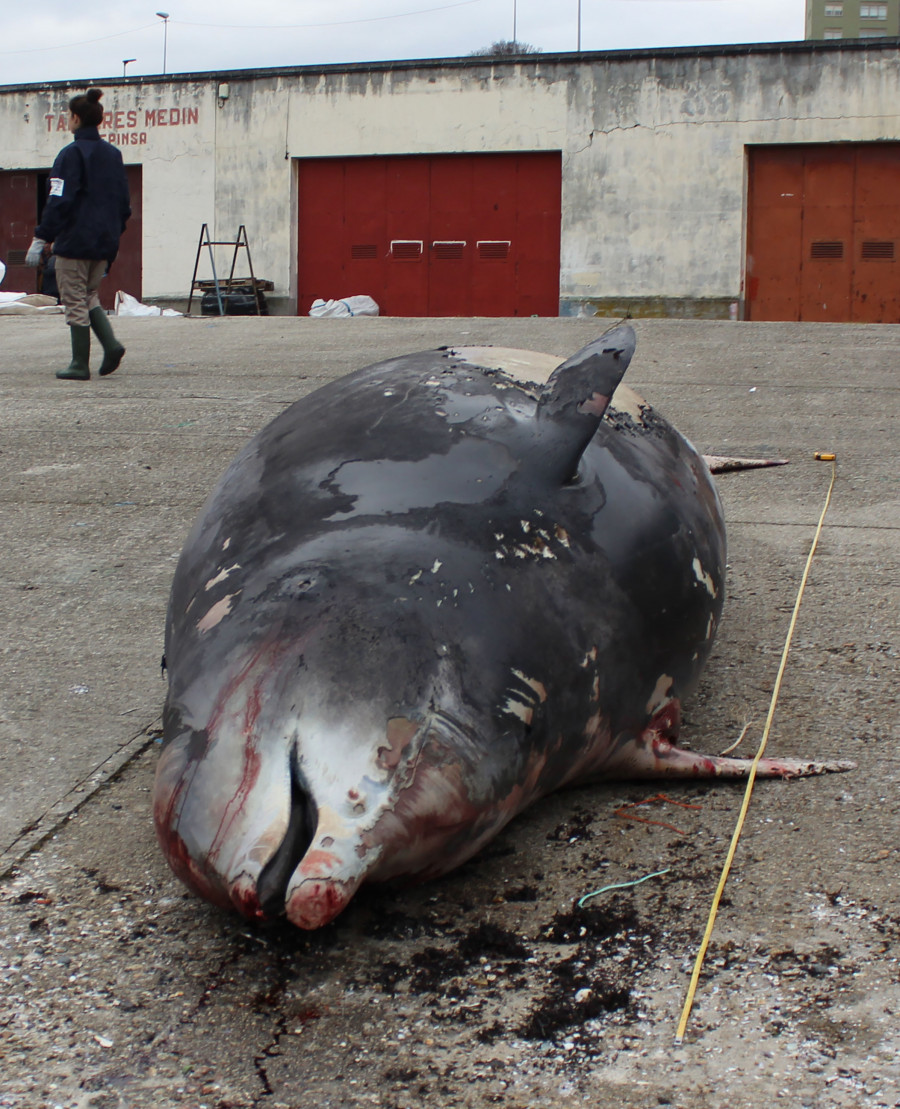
271	886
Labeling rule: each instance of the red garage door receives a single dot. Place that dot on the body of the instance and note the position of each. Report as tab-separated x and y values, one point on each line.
22	195
432	235
823	233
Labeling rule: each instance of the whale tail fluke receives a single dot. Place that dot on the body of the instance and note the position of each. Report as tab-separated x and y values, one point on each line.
726	464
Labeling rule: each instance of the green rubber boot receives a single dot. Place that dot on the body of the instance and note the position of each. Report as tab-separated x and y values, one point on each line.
79	368
113	351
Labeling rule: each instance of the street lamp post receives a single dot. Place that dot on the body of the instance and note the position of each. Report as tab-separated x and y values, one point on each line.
126	62
164	16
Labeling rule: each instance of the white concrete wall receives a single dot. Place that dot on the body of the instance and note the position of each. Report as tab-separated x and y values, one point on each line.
267	124
654	178
654	148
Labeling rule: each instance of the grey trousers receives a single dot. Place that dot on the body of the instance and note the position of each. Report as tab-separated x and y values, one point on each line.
78	280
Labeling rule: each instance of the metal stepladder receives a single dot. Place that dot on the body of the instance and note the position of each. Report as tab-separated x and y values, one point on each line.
225	285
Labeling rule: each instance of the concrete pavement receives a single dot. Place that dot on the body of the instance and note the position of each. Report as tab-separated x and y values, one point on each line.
99	483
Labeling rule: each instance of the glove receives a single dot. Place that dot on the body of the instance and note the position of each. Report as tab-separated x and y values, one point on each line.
35	251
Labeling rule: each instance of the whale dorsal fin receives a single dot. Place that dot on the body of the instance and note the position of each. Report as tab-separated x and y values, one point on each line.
576	396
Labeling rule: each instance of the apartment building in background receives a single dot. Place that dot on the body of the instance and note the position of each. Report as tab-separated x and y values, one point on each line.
852	19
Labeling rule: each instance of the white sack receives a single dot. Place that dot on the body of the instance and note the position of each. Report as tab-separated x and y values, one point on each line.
26	304
127	305
346	306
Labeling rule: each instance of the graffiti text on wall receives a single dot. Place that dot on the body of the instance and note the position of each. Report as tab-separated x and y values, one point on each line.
128	127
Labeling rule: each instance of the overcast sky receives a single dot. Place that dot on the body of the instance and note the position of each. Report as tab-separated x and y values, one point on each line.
52	40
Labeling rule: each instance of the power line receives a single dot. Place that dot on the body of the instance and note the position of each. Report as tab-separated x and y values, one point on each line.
246	27
83	42
334	23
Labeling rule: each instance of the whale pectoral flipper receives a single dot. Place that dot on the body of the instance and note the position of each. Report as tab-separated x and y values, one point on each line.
654	756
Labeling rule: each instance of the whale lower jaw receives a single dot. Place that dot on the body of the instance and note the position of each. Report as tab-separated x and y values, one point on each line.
419	832
317	901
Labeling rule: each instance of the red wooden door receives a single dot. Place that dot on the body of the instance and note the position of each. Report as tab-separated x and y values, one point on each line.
826	236
823	233
499	202
876	289
126	272
401	246
774	230
450	250
21	202
438	235
538	208
18	217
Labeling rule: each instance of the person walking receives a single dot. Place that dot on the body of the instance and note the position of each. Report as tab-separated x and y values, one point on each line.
85	214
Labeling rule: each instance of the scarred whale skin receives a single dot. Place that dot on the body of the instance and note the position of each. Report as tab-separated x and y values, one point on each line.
421	598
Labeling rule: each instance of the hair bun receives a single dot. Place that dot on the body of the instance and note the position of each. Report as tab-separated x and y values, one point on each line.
93	95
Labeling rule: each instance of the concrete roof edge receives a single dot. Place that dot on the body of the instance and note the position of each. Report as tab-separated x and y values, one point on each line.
793	46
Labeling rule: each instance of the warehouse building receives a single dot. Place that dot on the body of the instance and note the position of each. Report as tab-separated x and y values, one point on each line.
759	181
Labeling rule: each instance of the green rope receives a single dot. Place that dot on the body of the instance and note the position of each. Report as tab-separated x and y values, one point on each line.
582	901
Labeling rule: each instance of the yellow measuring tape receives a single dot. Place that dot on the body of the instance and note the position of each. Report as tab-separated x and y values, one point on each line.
751	777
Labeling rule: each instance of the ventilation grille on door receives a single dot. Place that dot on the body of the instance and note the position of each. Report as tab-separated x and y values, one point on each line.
448	249
496	250
360	251
16	258
827	250
406	250
878	250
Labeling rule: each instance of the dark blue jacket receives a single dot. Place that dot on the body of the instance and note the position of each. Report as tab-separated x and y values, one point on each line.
88	204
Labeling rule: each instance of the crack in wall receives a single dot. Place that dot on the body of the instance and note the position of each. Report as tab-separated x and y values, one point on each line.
723	122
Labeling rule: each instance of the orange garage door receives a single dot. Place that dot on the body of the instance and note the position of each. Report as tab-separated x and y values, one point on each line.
823	233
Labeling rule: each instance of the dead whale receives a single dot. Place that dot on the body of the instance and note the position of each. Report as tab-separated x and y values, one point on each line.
421	598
